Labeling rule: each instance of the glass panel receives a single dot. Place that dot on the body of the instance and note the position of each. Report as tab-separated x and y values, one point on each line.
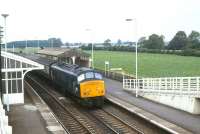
3	75
98	76
19	74
3	86
19	82
81	77
89	75
14	86
9	86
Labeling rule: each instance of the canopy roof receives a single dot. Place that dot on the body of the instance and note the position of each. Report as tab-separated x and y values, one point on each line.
63	52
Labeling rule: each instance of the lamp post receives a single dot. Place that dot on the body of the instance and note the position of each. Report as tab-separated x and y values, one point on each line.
6	66
26	46
13	49
136	55
52	43
89	30
38	44
0	61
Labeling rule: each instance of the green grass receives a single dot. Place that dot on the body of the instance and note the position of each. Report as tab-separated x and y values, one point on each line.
149	65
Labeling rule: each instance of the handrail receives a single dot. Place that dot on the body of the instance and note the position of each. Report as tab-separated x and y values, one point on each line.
168	85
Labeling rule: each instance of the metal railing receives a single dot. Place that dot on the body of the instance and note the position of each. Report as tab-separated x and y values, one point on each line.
169	85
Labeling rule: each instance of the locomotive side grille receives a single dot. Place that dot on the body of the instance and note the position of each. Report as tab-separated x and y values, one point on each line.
92	88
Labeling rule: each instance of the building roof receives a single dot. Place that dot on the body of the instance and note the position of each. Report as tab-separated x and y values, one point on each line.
63	52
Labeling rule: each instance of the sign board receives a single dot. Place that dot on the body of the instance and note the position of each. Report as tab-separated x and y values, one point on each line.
106	62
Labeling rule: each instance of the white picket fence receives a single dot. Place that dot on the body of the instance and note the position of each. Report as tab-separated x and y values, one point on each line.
4	127
170	85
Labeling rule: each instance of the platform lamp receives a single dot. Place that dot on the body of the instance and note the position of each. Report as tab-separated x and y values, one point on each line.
136	55
89	30
1	35
6	66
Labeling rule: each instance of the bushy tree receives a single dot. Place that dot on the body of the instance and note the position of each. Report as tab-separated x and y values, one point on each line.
154	42
119	42
141	42
194	40
55	42
179	41
107	43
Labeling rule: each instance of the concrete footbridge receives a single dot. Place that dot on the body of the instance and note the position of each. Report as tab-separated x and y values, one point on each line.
179	92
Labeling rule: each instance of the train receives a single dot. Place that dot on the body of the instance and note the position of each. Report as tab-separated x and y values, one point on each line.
84	84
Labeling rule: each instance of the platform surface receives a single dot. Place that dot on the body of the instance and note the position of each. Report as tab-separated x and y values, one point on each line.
180	118
26	119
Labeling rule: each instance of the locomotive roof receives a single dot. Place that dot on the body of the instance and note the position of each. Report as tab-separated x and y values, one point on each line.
74	69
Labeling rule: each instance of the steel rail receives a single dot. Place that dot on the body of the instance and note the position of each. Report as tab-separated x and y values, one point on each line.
61	105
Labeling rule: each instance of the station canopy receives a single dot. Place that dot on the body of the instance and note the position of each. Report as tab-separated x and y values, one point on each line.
14	68
63	52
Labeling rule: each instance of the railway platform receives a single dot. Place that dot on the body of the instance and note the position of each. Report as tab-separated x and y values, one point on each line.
33	117
171	119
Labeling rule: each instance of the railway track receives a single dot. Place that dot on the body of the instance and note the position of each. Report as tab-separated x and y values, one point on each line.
119	125
77	119
70	122
73	120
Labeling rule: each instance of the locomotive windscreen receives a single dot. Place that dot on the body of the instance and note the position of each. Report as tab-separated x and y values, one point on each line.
89	75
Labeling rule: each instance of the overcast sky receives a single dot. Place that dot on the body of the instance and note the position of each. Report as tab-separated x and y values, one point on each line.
69	19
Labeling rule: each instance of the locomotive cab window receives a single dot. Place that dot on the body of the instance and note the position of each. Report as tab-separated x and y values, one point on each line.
98	76
81	77
89	75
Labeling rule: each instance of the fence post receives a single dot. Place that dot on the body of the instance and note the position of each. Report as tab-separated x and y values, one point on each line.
143	81
149	84
197	83
181	85
159	87
123	82
153	83
189	85
198	89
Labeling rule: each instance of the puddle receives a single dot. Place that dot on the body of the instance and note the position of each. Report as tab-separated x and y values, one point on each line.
61	98
54	128
30	107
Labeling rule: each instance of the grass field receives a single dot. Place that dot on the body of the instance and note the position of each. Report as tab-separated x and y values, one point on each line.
149	65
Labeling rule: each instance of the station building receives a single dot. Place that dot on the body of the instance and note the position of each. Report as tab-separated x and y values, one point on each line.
67	55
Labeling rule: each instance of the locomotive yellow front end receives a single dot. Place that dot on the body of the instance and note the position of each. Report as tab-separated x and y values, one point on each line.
92	88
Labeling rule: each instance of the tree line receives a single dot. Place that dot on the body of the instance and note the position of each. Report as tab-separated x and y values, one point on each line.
51	42
181	44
